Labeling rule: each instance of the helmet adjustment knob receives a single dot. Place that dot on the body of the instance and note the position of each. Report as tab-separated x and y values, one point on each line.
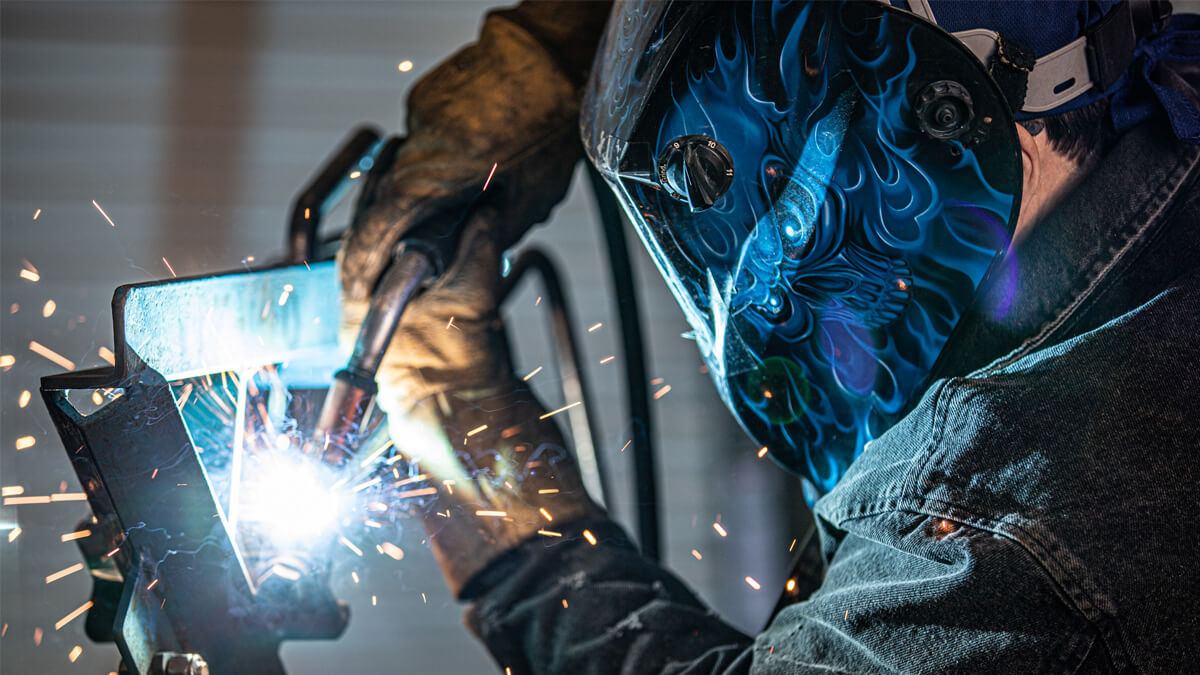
944	110
695	169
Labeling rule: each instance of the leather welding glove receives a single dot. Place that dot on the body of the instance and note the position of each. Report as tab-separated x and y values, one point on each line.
506	108
502	112
499	465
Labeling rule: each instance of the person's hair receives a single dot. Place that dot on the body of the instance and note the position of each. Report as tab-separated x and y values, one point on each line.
1082	134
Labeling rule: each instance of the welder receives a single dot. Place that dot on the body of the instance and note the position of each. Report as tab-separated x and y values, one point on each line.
941	259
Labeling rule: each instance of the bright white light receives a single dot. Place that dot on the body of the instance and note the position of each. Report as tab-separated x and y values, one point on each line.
290	499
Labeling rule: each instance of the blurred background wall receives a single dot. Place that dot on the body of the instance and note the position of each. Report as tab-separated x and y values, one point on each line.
192	125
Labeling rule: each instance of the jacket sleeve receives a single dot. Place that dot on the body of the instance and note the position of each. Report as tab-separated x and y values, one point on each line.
903	593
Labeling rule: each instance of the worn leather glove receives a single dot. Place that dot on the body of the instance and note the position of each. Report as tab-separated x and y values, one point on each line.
501	469
504	108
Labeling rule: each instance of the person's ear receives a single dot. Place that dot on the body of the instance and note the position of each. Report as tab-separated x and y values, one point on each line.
1031	175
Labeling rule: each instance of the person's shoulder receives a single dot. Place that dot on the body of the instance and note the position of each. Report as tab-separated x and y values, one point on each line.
1070	424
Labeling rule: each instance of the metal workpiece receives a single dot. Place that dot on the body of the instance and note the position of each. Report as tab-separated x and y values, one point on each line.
174	568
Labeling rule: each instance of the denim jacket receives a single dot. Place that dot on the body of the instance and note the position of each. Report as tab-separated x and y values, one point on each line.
1037	511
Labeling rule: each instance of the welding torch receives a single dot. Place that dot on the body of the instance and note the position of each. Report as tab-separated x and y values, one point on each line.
419	258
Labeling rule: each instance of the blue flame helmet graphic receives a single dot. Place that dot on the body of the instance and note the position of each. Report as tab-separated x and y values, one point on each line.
824	186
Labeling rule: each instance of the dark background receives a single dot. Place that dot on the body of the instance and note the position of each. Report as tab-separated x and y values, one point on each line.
193	124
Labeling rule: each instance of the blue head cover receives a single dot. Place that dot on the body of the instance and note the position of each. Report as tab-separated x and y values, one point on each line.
1044	27
824	187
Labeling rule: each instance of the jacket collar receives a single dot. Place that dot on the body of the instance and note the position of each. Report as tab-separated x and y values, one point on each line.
1078	267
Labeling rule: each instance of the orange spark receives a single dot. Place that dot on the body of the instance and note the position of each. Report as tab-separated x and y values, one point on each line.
51	355
25	442
73	615
587	534
110	222
752	583
720	530
552	413
64	572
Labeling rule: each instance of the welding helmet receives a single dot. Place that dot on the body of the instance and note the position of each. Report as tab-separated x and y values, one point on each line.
824	186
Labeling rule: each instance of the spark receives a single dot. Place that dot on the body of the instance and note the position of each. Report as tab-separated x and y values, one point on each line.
287	291
626	445
790	585
37	636
510	432
64	572
552	413
110	222
50	355
354	576
13	501
607	359
348	544
72	536
13	308
373	524
373	600
696	555
596	327
68	497
488	182
374	481
154	473
476	430
720	530
752	583
846	616
549	533
14	533
662	392
587	534
377	452
548	491
112	552
414	479
422	492
533	372
792	546
355	174
36	214
449	486
7	360
762	452
392	551
286	572
12	490
492	514
74	653
424	599
48	309
450	324
546	514
538	301
73	615
25	442
405	66
656	381
30	275
152	584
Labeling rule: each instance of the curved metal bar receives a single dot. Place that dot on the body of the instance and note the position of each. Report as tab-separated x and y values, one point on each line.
574	386
636	379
